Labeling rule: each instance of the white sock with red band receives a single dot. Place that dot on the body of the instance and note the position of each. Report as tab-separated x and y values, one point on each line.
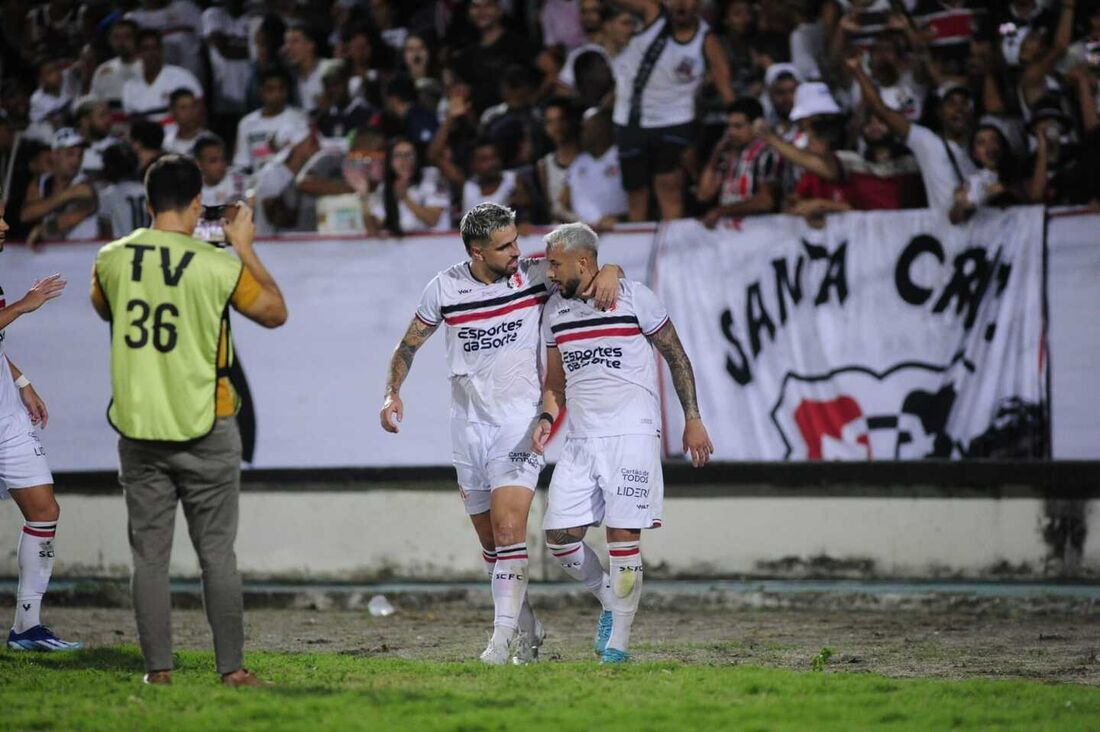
509	590
526	614
626	589
581	563
35	568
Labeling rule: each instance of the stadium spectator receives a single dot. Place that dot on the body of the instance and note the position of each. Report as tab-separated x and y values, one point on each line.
280	206
385	18
512	123
50	102
179	24
59	203
562	125
479	65
364	54
221	184
148	95
741	177
943	159
487	180
1057	167
608	29
111	75
53	25
122	200
656	78
405	117
186	127
147	140
225	31
412	197
259	132
418	61
303	47
996	181
339	112
93	122
593	192
781	83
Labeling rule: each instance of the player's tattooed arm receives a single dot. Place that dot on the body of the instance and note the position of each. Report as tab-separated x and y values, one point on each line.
696	441
668	344
392	406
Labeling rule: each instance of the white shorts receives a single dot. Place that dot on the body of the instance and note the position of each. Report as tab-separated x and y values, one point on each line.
613	480
22	457
489	456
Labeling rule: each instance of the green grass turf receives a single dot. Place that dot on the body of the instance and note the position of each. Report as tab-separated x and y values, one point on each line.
100	689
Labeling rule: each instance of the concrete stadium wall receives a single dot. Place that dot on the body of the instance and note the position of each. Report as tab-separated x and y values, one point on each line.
424	535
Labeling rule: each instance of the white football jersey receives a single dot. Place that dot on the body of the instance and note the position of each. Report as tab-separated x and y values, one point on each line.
610	366
492	340
10	402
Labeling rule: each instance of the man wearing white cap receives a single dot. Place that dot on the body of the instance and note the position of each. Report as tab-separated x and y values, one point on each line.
780	84
59	203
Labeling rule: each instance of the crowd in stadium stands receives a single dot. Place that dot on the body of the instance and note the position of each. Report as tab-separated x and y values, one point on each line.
393	116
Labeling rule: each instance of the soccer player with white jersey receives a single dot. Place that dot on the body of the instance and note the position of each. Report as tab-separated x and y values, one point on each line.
602	365
490	307
25	475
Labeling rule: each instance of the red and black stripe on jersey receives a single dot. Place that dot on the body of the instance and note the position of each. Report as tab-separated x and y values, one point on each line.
614	325
483	309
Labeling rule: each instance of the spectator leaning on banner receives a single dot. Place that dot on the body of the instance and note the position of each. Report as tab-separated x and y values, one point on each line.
741	177
167	298
943	158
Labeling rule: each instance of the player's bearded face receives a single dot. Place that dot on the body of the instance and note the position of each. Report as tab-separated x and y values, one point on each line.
501	255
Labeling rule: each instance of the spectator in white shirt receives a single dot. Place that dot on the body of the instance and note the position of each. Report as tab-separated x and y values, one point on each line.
593	189
225	30
179	22
259	131
148	95
221	184
302	46
122	200
411	198
110	76
93	122
180	137
944	160
50	103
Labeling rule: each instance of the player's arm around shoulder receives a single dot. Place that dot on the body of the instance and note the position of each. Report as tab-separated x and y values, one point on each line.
393	409
257	296
696	441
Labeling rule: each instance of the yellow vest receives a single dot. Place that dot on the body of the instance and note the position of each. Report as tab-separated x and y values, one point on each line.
169	299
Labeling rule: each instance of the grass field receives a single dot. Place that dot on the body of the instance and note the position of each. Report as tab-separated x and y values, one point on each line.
100	689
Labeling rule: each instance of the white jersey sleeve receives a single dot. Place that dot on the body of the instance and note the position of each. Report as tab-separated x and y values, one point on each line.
429	309
547	334
651	312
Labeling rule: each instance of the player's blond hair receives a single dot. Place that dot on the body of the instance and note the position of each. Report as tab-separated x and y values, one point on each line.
479	223
573	236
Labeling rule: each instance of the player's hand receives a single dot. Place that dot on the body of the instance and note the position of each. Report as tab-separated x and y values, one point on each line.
36	408
540	436
239	229
41	292
697	442
393	411
604	288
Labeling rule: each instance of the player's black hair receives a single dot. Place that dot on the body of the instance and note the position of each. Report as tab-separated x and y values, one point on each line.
403	88
179	94
204	142
172	182
748	106
148	33
146	133
275	71
119	163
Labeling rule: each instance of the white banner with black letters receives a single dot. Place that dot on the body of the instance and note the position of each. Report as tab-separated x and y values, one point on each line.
886	335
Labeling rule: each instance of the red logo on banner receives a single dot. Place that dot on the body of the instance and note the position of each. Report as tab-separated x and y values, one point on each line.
815	420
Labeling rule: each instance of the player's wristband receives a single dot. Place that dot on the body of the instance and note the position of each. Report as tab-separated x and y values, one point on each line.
22	382
548	417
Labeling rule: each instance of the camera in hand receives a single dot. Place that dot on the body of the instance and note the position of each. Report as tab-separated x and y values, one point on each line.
210	226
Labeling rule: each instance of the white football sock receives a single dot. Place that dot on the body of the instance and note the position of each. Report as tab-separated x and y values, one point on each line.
526	614
35	567
581	563
509	590
626	589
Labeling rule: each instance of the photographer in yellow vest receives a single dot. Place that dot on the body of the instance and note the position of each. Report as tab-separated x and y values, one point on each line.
167	296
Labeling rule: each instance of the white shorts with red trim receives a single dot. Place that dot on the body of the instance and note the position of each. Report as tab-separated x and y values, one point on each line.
22	457
612	480
489	456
